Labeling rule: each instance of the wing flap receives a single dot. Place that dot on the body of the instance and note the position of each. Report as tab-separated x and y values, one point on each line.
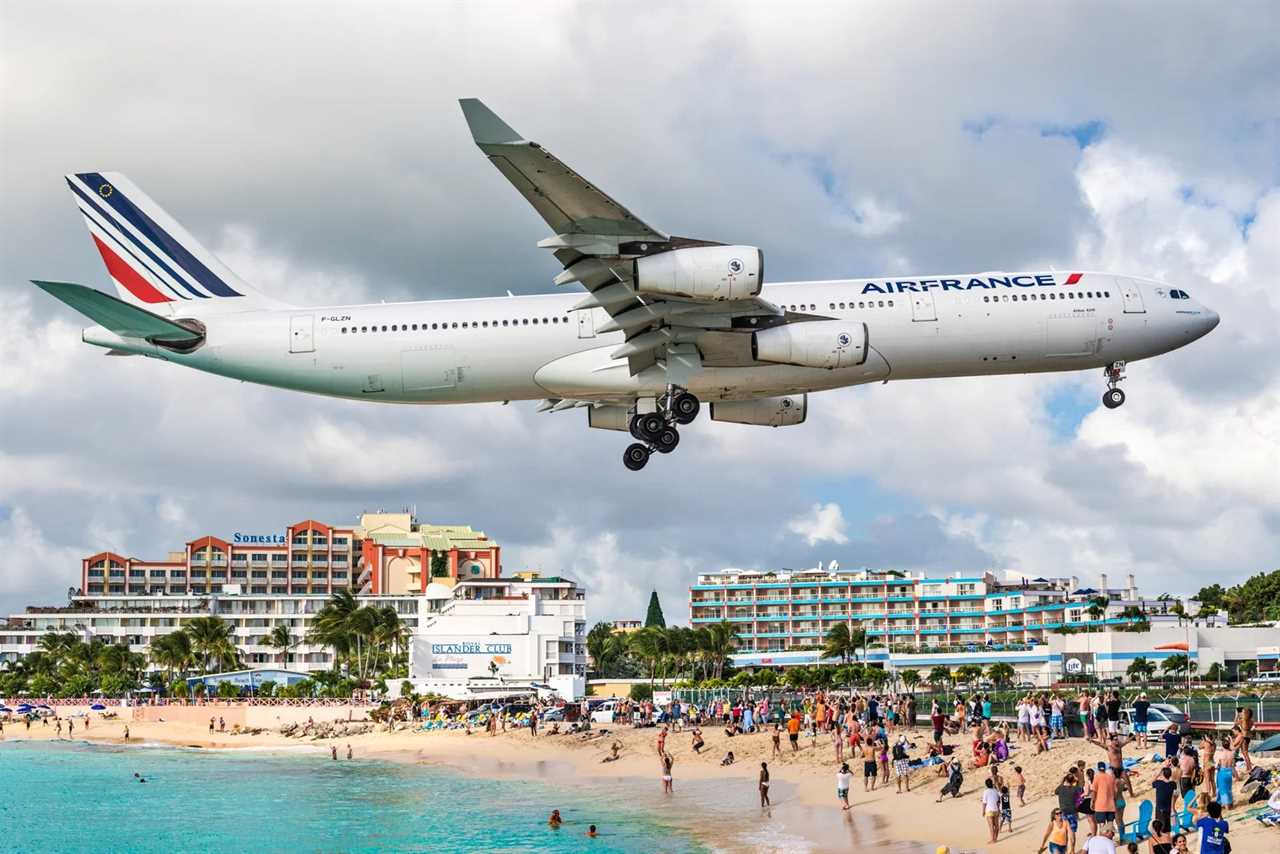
120	317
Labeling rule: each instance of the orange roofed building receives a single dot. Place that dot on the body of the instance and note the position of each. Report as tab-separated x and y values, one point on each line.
385	553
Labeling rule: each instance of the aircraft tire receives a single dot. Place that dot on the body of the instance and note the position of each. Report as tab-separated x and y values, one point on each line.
685	407
667	440
650	425
1112	398
635	456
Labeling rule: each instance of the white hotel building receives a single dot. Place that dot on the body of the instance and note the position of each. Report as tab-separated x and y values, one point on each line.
543	618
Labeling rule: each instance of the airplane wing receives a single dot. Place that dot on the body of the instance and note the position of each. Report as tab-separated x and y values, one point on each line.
120	317
608	249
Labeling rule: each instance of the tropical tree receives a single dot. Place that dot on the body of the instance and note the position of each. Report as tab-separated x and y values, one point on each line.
1097	607
1246	669
721	640
212	642
1140	669
1216	672
940	677
843	642
1001	673
910	678
649	645
282	640
173	652
1175	665
968	673
600	648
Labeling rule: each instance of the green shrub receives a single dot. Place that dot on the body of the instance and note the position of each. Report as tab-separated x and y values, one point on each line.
641	691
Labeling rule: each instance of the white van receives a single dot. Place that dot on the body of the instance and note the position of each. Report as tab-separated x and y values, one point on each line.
603	713
1160	717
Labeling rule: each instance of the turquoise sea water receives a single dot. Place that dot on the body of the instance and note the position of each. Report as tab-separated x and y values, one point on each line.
72	797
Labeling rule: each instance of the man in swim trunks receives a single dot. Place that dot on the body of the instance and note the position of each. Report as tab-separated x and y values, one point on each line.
868	766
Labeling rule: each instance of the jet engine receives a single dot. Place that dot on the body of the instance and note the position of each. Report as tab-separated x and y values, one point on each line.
715	273
826	344
766	411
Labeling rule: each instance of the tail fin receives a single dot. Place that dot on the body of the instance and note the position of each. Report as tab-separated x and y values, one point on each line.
154	261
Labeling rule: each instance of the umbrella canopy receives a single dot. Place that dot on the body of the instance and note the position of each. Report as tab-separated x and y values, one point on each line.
42	706
97	707
5	709
24	708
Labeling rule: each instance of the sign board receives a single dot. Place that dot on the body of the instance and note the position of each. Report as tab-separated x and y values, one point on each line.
465	656
1077	664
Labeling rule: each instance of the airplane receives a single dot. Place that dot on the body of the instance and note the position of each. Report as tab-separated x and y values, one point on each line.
666	323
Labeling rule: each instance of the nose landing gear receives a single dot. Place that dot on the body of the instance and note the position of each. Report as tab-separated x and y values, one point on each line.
656	431
1113	396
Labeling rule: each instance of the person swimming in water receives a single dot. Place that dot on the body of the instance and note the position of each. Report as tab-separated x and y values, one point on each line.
591	831
555	821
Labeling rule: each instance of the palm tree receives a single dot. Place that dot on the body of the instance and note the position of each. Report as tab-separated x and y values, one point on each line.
281	640
173	652
843	642
1245	669
598	646
968	673
910	678
939	677
649	645
1001	673
211	641
722	640
1140	669
1175	664
391	634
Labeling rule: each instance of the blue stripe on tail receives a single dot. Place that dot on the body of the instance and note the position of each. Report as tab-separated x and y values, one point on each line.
128	235
157	235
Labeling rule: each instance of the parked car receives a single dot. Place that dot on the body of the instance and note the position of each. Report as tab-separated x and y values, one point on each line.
603	713
1160	717
1272	678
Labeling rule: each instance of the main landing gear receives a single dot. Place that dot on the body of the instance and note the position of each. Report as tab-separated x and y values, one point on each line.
1113	396
656	431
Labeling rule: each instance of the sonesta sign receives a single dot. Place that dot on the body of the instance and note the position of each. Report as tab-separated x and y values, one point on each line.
1022	280
261	539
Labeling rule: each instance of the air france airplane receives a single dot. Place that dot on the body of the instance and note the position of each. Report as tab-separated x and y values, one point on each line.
667	322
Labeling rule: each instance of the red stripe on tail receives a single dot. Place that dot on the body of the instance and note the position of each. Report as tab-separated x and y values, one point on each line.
1073	278
127	276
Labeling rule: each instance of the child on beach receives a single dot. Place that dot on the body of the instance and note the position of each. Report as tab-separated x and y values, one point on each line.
1006	808
844	779
991	808
1021	783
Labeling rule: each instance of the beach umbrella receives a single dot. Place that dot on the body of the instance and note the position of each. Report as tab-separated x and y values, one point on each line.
5	709
24	708
97	707
42	706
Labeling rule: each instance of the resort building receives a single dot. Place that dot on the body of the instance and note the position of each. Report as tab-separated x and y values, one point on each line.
539	622
1047	628
384	553
791	609
487	635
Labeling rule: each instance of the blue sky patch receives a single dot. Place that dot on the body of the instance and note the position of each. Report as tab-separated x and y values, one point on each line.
1066	407
1084	134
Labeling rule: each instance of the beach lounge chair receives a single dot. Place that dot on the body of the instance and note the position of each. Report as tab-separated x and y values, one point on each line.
1183	820
1135	831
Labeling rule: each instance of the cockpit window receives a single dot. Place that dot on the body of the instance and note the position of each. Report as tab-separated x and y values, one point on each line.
1177	294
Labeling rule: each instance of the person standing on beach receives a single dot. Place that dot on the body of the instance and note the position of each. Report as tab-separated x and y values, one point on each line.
868	766
126	732
1140	708
764	785
837	741
902	765
667	762
662	740
777	740
533	723
348	751
210	726
71	727
793	731
991	809
844	779
333	752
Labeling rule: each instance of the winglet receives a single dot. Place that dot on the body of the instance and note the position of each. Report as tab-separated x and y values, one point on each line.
486	127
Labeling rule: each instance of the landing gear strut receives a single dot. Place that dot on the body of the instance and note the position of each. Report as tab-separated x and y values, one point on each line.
1113	396
656	431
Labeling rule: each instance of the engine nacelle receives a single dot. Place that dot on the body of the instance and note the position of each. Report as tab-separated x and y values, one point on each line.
826	344
766	411
716	273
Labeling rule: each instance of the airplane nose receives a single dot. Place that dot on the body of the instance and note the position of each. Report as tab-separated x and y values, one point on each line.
1211	321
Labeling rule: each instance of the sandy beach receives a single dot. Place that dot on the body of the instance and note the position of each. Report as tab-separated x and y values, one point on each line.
804	781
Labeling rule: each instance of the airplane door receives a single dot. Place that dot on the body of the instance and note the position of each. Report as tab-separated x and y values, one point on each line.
922	307
302	333
430	368
586	323
1132	296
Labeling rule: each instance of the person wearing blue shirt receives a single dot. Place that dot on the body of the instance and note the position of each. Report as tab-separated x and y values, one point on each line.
1213	831
1140	707
1172	740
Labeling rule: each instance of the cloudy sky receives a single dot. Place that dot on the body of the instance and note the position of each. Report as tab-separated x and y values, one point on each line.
320	152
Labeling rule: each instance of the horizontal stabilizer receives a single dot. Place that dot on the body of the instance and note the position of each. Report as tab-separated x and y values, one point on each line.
120	317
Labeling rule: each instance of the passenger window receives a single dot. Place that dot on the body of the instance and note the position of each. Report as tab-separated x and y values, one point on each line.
881	303
833	307
455	325
842	306
986	299
890	303
862	305
1033	297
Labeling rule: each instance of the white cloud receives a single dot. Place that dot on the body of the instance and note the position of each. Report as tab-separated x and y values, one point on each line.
824	523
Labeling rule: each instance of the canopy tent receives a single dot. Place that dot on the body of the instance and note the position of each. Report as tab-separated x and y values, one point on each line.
97	707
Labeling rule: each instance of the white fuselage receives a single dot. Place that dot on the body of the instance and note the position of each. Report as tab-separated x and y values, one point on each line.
529	347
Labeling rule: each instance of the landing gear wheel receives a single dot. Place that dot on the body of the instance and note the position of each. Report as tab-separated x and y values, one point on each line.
650	425
633	426
684	407
635	456
1112	398
666	440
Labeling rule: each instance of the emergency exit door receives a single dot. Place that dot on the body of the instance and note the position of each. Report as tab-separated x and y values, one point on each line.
1132	296
922	307
302	333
